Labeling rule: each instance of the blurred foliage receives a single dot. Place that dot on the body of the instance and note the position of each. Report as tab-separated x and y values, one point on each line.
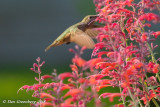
86	7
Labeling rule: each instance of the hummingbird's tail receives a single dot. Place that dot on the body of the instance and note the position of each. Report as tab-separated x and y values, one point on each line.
47	48
55	43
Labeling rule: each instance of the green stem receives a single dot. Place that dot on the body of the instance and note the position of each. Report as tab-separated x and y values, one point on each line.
153	59
155	102
122	97
145	88
152	88
140	102
135	103
40	90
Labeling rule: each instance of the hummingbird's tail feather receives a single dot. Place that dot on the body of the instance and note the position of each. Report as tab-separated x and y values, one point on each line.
47	48
55	43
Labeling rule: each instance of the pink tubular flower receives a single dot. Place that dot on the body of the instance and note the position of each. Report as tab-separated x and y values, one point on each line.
78	61
149	17
156	34
102	65
74	67
46	76
72	92
42	95
144	37
125	10
107	69
119	105
62	76
92	63
101	86
110	95
37	86
26	87
45	104
153	67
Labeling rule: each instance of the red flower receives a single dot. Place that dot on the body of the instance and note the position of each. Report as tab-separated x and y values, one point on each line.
119	105
98	76
46	104
78	61
128	2
37	86
42	95
73	92
74	68
92	63
144	37
82	80
149	17
156	34
110	95
46	76
153	67
103	65
124	10
62	76
101	86
107	69
102	37
65	87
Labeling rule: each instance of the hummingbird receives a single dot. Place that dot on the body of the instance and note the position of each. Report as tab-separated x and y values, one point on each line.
80	33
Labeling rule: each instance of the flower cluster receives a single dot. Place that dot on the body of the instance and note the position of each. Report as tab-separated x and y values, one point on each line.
123	57
124	40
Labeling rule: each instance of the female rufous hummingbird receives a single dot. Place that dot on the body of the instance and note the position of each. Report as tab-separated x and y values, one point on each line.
80	33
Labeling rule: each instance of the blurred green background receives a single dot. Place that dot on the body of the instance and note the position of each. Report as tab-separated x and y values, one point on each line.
27	27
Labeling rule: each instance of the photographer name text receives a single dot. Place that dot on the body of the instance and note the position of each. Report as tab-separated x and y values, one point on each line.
19	101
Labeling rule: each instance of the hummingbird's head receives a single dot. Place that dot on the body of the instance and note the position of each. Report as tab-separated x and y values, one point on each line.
89	19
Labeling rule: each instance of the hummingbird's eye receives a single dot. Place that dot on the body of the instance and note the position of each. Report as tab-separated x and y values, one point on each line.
93	17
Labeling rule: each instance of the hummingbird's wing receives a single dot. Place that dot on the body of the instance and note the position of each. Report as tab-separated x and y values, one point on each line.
82	39
92	31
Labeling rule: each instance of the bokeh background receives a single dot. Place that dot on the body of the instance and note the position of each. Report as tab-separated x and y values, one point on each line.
27	27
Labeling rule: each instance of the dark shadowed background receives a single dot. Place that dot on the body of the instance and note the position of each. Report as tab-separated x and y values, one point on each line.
27	27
